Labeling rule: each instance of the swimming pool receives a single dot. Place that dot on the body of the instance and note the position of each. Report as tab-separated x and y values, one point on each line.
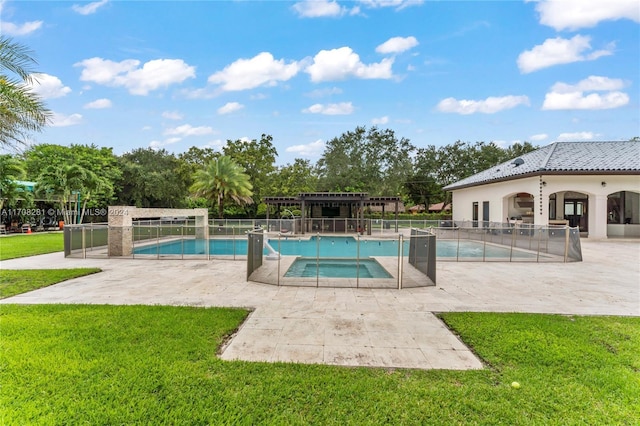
305	267
333	247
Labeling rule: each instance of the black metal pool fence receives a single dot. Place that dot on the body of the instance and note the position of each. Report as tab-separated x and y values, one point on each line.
327	260
515	242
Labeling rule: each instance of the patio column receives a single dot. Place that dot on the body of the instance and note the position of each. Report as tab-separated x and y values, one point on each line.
120	222
597	216
396	216
202	223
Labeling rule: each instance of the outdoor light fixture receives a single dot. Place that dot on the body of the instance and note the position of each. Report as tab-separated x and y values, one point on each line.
603	183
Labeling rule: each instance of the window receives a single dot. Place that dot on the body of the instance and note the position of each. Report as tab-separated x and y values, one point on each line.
474	213
623	208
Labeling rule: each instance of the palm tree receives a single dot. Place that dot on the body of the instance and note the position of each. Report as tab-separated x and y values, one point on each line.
223	179
21	110
91	186
10	171
63	185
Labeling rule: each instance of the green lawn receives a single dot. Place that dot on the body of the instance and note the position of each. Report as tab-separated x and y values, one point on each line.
14	282
79	364
12	246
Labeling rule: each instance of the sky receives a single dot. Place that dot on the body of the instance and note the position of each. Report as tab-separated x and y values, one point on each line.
176	74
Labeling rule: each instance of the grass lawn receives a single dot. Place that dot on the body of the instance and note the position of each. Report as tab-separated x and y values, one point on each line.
22	245
14	282
80	364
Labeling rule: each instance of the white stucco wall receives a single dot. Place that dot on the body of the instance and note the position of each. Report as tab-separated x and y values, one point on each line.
498	194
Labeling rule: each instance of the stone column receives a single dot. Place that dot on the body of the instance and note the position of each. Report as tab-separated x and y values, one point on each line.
202	224
120	230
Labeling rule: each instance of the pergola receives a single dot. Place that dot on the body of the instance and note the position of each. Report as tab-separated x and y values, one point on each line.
355	201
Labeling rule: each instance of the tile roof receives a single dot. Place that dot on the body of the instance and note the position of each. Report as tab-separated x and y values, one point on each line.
559	157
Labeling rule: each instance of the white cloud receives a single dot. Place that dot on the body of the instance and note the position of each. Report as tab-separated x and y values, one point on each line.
48	86
61	120
318	9
565	96
90	8
397	45
188	130
380	120
343	108
202	93
310	150
260	70
397	4
216	144
539	137
172	115
591	83
99	104
576	100
555	51
575	14
169	141
321	93
230	107
488	106
11	29
338	64
139	81
577	136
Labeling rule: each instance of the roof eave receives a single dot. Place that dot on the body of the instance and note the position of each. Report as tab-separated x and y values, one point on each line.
545	173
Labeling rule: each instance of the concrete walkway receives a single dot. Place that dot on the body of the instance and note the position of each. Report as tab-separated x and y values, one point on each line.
357	327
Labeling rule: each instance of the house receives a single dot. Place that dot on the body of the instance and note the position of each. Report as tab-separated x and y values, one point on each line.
591	185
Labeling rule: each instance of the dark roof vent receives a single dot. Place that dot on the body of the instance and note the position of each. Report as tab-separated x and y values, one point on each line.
518	162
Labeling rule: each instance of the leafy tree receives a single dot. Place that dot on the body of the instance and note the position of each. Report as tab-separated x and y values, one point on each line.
21	110
292	179
257	158
99	161
198	157
422	185
373	161
433	168
222	180
152	178
11	170
517	149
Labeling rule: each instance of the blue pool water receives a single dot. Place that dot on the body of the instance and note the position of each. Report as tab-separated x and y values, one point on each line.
334	247
336	268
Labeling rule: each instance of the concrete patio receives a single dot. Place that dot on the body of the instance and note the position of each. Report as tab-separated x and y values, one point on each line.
357	327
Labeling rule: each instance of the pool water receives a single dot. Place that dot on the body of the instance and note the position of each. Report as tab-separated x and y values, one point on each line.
336	268
333	247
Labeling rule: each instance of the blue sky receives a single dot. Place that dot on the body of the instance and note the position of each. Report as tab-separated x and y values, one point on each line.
163	74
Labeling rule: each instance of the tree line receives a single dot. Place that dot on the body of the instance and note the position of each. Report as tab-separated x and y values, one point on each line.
234	181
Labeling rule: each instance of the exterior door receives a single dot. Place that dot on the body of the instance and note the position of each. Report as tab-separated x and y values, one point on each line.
575	211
